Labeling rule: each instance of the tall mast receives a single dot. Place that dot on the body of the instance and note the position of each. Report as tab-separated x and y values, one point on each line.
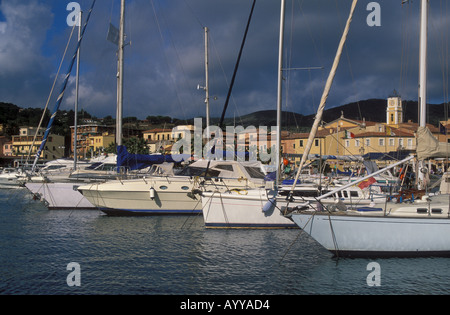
423	63
77	81
120	75
279	93
423	78
207	79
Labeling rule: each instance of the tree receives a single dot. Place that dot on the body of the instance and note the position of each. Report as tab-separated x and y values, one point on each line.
136	145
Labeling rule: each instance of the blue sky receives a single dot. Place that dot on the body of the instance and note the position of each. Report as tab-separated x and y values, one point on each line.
165	60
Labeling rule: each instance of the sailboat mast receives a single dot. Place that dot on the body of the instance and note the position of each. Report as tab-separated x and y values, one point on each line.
207	80
423	79
279	93
120	74
77	81
423	63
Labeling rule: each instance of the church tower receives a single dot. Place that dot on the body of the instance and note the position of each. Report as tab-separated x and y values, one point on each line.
394	111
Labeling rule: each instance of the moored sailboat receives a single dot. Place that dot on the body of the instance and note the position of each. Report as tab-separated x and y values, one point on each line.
418	227
261	207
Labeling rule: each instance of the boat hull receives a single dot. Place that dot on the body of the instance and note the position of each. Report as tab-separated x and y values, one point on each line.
60	196
241	209
378	235
133	198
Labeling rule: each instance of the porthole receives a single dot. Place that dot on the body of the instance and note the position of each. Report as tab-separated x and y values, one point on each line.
163	187
185	187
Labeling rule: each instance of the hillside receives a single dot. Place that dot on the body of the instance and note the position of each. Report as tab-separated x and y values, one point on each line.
12	117
370	110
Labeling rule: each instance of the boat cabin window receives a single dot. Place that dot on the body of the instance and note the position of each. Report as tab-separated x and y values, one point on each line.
198	171
301	193
54	167
353	193
254	172
224	167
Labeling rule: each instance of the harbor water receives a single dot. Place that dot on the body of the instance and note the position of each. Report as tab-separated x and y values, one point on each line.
176	255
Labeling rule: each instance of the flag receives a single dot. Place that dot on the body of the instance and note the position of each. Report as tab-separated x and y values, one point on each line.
348	135
442	129
367	182
113	34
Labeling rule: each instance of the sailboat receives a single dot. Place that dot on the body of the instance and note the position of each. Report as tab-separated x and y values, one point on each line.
419	227
157	194
261	208
255	208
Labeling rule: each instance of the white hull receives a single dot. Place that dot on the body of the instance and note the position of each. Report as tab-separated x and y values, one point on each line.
132	197
241	209
59	196
405	232
176	194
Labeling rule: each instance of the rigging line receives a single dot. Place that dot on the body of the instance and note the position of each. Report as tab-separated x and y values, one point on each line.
179	60
225	77
348	61
298	235
405	53
165	55
193	13
236	66
51	92
63	89
232	81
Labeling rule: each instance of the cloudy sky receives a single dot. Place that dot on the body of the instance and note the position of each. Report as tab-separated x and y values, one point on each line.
165	57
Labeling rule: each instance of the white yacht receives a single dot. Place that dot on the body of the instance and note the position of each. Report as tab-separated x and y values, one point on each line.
172	194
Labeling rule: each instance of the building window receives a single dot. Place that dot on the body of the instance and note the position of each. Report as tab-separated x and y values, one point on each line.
356	142
316	142
400	142
301	143
410	143
391	142
381	141
368	142
347	143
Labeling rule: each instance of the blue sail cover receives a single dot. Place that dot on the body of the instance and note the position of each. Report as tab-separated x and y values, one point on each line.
139	161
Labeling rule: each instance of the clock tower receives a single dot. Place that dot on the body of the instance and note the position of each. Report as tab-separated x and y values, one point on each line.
394	110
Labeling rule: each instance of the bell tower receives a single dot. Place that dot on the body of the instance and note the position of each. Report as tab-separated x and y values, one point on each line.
394	111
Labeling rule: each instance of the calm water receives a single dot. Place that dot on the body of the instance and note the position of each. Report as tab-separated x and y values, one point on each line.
177	256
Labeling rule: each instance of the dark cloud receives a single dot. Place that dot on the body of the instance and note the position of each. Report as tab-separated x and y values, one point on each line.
165	60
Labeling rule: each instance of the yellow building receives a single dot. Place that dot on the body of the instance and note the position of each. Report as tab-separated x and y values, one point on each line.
98	143
356	138
22	144
161	140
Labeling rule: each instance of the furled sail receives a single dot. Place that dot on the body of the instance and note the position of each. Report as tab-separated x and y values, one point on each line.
428	146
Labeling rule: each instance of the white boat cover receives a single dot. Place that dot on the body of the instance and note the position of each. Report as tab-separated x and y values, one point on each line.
428	146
